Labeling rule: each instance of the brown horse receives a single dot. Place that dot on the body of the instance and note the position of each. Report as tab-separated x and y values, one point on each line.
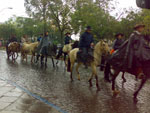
13	49
100	49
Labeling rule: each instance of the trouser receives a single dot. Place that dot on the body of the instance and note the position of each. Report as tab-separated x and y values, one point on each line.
84	54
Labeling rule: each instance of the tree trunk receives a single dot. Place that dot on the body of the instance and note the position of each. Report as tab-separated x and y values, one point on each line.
61	36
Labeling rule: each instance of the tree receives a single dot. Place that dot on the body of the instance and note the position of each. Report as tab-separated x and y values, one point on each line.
91	14
38	9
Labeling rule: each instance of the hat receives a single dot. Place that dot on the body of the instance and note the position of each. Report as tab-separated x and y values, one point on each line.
67	33
119	34
88	28
138	26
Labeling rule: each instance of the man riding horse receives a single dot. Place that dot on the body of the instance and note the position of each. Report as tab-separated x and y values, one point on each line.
134	57
85	44
68	40
132	52
116	45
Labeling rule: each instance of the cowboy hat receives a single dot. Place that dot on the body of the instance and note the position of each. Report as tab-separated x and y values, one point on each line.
88	28
119	34
67	33
138	26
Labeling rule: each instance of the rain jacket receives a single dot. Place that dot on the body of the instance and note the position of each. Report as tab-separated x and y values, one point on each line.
67	40
117	43
44	43
85	40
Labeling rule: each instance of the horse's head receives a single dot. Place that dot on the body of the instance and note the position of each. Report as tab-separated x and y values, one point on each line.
103	48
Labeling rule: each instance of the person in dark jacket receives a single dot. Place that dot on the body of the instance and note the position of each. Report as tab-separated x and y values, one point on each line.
67	38
43	47
85	43
12	39
135	49
119	41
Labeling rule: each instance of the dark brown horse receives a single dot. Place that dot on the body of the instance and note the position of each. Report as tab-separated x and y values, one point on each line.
13	50
133	71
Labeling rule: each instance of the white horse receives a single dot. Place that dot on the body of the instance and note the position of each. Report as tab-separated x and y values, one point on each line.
29	48
101	48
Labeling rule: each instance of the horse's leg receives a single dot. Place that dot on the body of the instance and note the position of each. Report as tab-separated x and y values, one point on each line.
32	58
77	70
94	72
71	71
141	85
116	72
26	58
12	56
53	63
46	61
65	54
124	80
107	72
17	55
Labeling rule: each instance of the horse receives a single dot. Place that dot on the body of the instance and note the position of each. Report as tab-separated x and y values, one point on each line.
101	48
64	51
29	48
107	71
12	48
52	51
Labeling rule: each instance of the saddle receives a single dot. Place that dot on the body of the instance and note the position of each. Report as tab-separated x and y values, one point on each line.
86	59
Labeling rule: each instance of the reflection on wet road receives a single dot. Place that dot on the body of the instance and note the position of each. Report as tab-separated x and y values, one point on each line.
54	85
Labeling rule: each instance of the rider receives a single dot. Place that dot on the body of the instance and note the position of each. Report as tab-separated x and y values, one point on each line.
24	39
68	40
116	45
136	51
119	40
43	46
85	43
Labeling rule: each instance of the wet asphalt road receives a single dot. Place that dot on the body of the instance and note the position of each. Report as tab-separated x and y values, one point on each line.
54	85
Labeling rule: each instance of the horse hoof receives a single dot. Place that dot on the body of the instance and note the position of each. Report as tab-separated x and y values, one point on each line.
115	93
79	79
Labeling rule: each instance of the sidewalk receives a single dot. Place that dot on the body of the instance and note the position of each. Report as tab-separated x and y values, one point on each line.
14	100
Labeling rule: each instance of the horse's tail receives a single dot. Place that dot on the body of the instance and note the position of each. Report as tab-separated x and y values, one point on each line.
69	65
